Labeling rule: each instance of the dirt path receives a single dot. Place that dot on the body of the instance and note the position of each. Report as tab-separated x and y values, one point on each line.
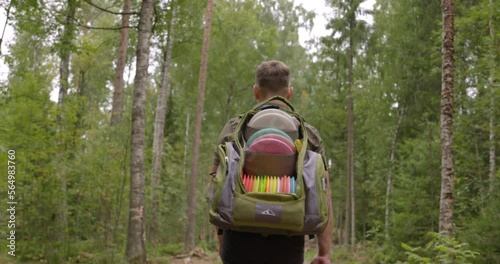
204	258
196	260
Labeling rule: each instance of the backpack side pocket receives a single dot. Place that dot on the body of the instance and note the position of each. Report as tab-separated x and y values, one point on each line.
316	215
224	184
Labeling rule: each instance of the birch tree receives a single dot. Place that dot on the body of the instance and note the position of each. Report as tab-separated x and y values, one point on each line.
136	239
159	127
447	158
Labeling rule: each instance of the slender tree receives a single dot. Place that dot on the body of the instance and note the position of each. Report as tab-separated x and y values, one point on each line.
189	239
120	64
347	36
447	94
5	26
136	239
350	133
186	144
352	8
492	82
161	111
392	159
350	156
65	48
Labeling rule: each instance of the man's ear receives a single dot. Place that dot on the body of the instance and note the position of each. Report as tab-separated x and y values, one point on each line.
290	93
256	92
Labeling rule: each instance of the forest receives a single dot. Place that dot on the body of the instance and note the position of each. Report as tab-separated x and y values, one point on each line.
110	112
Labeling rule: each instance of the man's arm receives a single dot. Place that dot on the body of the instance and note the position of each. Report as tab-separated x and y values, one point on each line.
325	238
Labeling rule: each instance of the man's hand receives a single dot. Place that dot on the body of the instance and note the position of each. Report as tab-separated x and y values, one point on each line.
325	238
219	237
321	260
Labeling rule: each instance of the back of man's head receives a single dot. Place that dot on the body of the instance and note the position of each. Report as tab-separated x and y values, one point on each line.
272	77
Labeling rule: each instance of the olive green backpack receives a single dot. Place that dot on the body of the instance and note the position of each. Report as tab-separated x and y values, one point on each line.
303	212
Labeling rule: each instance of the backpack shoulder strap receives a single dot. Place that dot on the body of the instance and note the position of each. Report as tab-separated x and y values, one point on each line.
274	98
245	117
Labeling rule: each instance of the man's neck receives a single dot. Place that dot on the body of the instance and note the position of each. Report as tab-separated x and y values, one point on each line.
274	104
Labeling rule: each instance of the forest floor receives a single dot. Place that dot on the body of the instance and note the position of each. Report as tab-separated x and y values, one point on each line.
198	256
210	258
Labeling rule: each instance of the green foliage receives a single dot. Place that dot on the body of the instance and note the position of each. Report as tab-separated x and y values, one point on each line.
345	254
482	232
209	246
170	249
440	249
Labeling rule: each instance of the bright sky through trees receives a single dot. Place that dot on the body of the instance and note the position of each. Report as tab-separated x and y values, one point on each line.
319	29
323	12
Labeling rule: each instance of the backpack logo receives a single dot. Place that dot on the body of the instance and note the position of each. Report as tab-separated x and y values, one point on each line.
268	212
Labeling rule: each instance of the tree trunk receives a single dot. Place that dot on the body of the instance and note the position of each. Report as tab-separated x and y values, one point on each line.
364	198
492	169
186	143
340	229
347	222
189	239
116	111
136	239
447	159
64	55
492	80
389	175
5	26
65	52
431	179
350	133
228	100
161	111
120	193
350	162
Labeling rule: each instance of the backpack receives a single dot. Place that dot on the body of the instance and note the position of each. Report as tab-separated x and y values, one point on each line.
269	204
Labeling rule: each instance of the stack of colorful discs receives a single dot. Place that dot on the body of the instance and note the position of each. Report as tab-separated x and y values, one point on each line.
272	118
269	149
271	140
269	184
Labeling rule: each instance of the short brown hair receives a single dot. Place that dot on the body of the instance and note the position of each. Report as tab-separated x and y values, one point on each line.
273	76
